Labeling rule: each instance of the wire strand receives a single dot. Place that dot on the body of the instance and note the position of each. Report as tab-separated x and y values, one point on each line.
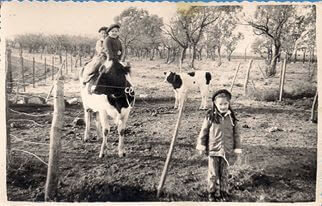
31	155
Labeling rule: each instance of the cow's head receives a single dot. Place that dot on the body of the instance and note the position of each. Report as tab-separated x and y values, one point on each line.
170	77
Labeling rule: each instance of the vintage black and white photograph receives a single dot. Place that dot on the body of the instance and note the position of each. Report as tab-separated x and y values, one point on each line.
160	102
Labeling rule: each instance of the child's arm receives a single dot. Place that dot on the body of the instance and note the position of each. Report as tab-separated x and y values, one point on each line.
237	141
202	141
98	47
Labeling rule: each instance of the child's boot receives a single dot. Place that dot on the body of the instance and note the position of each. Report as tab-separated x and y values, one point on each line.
224	196
211	197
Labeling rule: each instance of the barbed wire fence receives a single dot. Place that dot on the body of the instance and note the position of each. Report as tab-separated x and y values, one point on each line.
30	72
50	158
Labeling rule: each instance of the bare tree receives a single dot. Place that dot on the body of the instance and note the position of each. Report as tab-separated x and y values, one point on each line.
270	21
188	26
219	33
231	43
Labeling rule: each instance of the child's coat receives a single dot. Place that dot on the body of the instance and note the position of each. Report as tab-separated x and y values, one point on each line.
220	139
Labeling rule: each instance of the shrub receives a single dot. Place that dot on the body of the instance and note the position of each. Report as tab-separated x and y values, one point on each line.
264	95
304	90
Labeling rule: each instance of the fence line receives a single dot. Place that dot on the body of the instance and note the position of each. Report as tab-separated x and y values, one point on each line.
32	115
30	142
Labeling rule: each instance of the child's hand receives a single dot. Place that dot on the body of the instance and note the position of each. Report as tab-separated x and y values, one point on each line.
238	151
119	52
238	159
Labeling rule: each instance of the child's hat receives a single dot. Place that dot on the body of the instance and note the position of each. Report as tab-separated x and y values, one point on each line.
221	91
103	28
112	27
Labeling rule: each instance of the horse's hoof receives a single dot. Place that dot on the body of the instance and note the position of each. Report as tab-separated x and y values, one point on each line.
101	156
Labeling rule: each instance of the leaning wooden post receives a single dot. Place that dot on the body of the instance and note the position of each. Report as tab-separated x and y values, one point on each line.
260	69
22	74
314	108
55	141
282	80
45	71
247	76
232	84
165	169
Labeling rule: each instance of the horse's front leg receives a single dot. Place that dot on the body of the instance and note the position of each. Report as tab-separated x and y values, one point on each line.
87	117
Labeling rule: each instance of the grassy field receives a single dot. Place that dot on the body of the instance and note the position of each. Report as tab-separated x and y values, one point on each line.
279	142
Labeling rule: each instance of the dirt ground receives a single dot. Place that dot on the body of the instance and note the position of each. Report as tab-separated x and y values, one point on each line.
279	146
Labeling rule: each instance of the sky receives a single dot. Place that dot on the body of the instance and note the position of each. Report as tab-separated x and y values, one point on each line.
84	18
70	17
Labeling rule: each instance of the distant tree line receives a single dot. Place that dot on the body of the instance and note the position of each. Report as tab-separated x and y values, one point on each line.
54	44
197	32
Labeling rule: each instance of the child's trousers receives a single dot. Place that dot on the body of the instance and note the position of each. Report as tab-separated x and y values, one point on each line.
92	67
217	174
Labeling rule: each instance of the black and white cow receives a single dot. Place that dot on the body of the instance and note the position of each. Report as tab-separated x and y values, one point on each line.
183	82
114	98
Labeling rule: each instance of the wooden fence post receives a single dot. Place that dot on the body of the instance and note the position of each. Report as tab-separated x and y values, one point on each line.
245	53
55	141
232	84
71	63
247	76
166	166
9	72
45	71
61	69
22	74
33	72
66	61
282	79
76	61
8	80
52	68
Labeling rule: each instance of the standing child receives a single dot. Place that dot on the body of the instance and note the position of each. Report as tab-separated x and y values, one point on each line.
219	139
